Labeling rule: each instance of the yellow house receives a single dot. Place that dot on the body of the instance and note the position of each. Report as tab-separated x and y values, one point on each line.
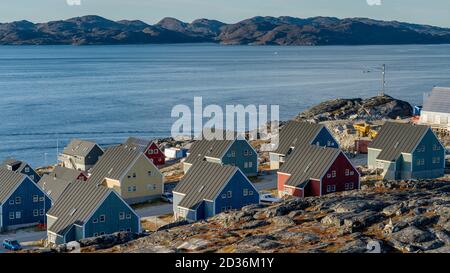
130	173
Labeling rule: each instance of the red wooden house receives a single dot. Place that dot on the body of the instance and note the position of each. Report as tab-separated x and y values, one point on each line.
316	171
149	148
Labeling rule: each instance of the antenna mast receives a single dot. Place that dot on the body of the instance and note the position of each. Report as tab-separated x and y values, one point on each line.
383	73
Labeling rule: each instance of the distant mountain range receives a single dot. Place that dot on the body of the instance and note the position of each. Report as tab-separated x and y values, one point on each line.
95	30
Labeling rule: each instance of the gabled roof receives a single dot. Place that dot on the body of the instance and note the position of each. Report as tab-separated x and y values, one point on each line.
57	181
203	181
9	181
438	101
53	186
140	143
14	165
65	173
207	148
296	134
76	204
308	162
78	147
114	163
395	138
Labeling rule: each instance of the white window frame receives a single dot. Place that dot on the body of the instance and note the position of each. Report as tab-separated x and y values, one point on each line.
42	212
41	199
12	215
128	216
35	198
95	221
18	215
11	202
245	192
35	212
121	215
100	218
347	172
229	194
250	164
333	174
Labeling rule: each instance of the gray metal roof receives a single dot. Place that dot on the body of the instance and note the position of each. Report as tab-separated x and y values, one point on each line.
53	186
78	147
203	181
76	204
113	163
395	138
220	134
207	148
14	165
308	162
9	180
438	101
65	173
140	143
296	134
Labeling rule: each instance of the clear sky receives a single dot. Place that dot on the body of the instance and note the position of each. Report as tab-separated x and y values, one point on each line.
434	12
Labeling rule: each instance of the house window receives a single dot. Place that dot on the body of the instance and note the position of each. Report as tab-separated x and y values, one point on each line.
352	173
347	172
129	216
150	173
121	215
102	233
27	169
250	164
35	198
95	234
128	229
11	202
18	200
35	212
245	192
333	188
233	154
18	214
102	218
333	174
151	187
229	194
134	175
95	220
131	188
328	175
245	165
224	196
150	152
11	216
250	192
32	177
436	147
42	212
42	198
245	152
351	186
155	151
329	143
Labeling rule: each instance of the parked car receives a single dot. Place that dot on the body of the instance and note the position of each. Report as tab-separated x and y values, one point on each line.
167	197
12	245
269	198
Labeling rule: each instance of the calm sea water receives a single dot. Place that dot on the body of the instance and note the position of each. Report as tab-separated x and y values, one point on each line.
50	94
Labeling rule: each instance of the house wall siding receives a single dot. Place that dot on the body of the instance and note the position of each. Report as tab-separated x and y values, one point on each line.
312	188
157	158
239	146
372	158
148	187
324	138
236	185
32	174
429	169
26	190
340	165
111	208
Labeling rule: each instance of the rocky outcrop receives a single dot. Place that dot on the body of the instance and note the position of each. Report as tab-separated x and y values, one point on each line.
391	216
375	108
94	30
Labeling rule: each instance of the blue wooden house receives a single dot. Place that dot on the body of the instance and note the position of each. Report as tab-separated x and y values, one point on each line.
22	202
407	151
210	188
297	134
89	210
234	151
21	167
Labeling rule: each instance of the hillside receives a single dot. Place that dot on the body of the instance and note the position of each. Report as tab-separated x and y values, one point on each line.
95	30
398	216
